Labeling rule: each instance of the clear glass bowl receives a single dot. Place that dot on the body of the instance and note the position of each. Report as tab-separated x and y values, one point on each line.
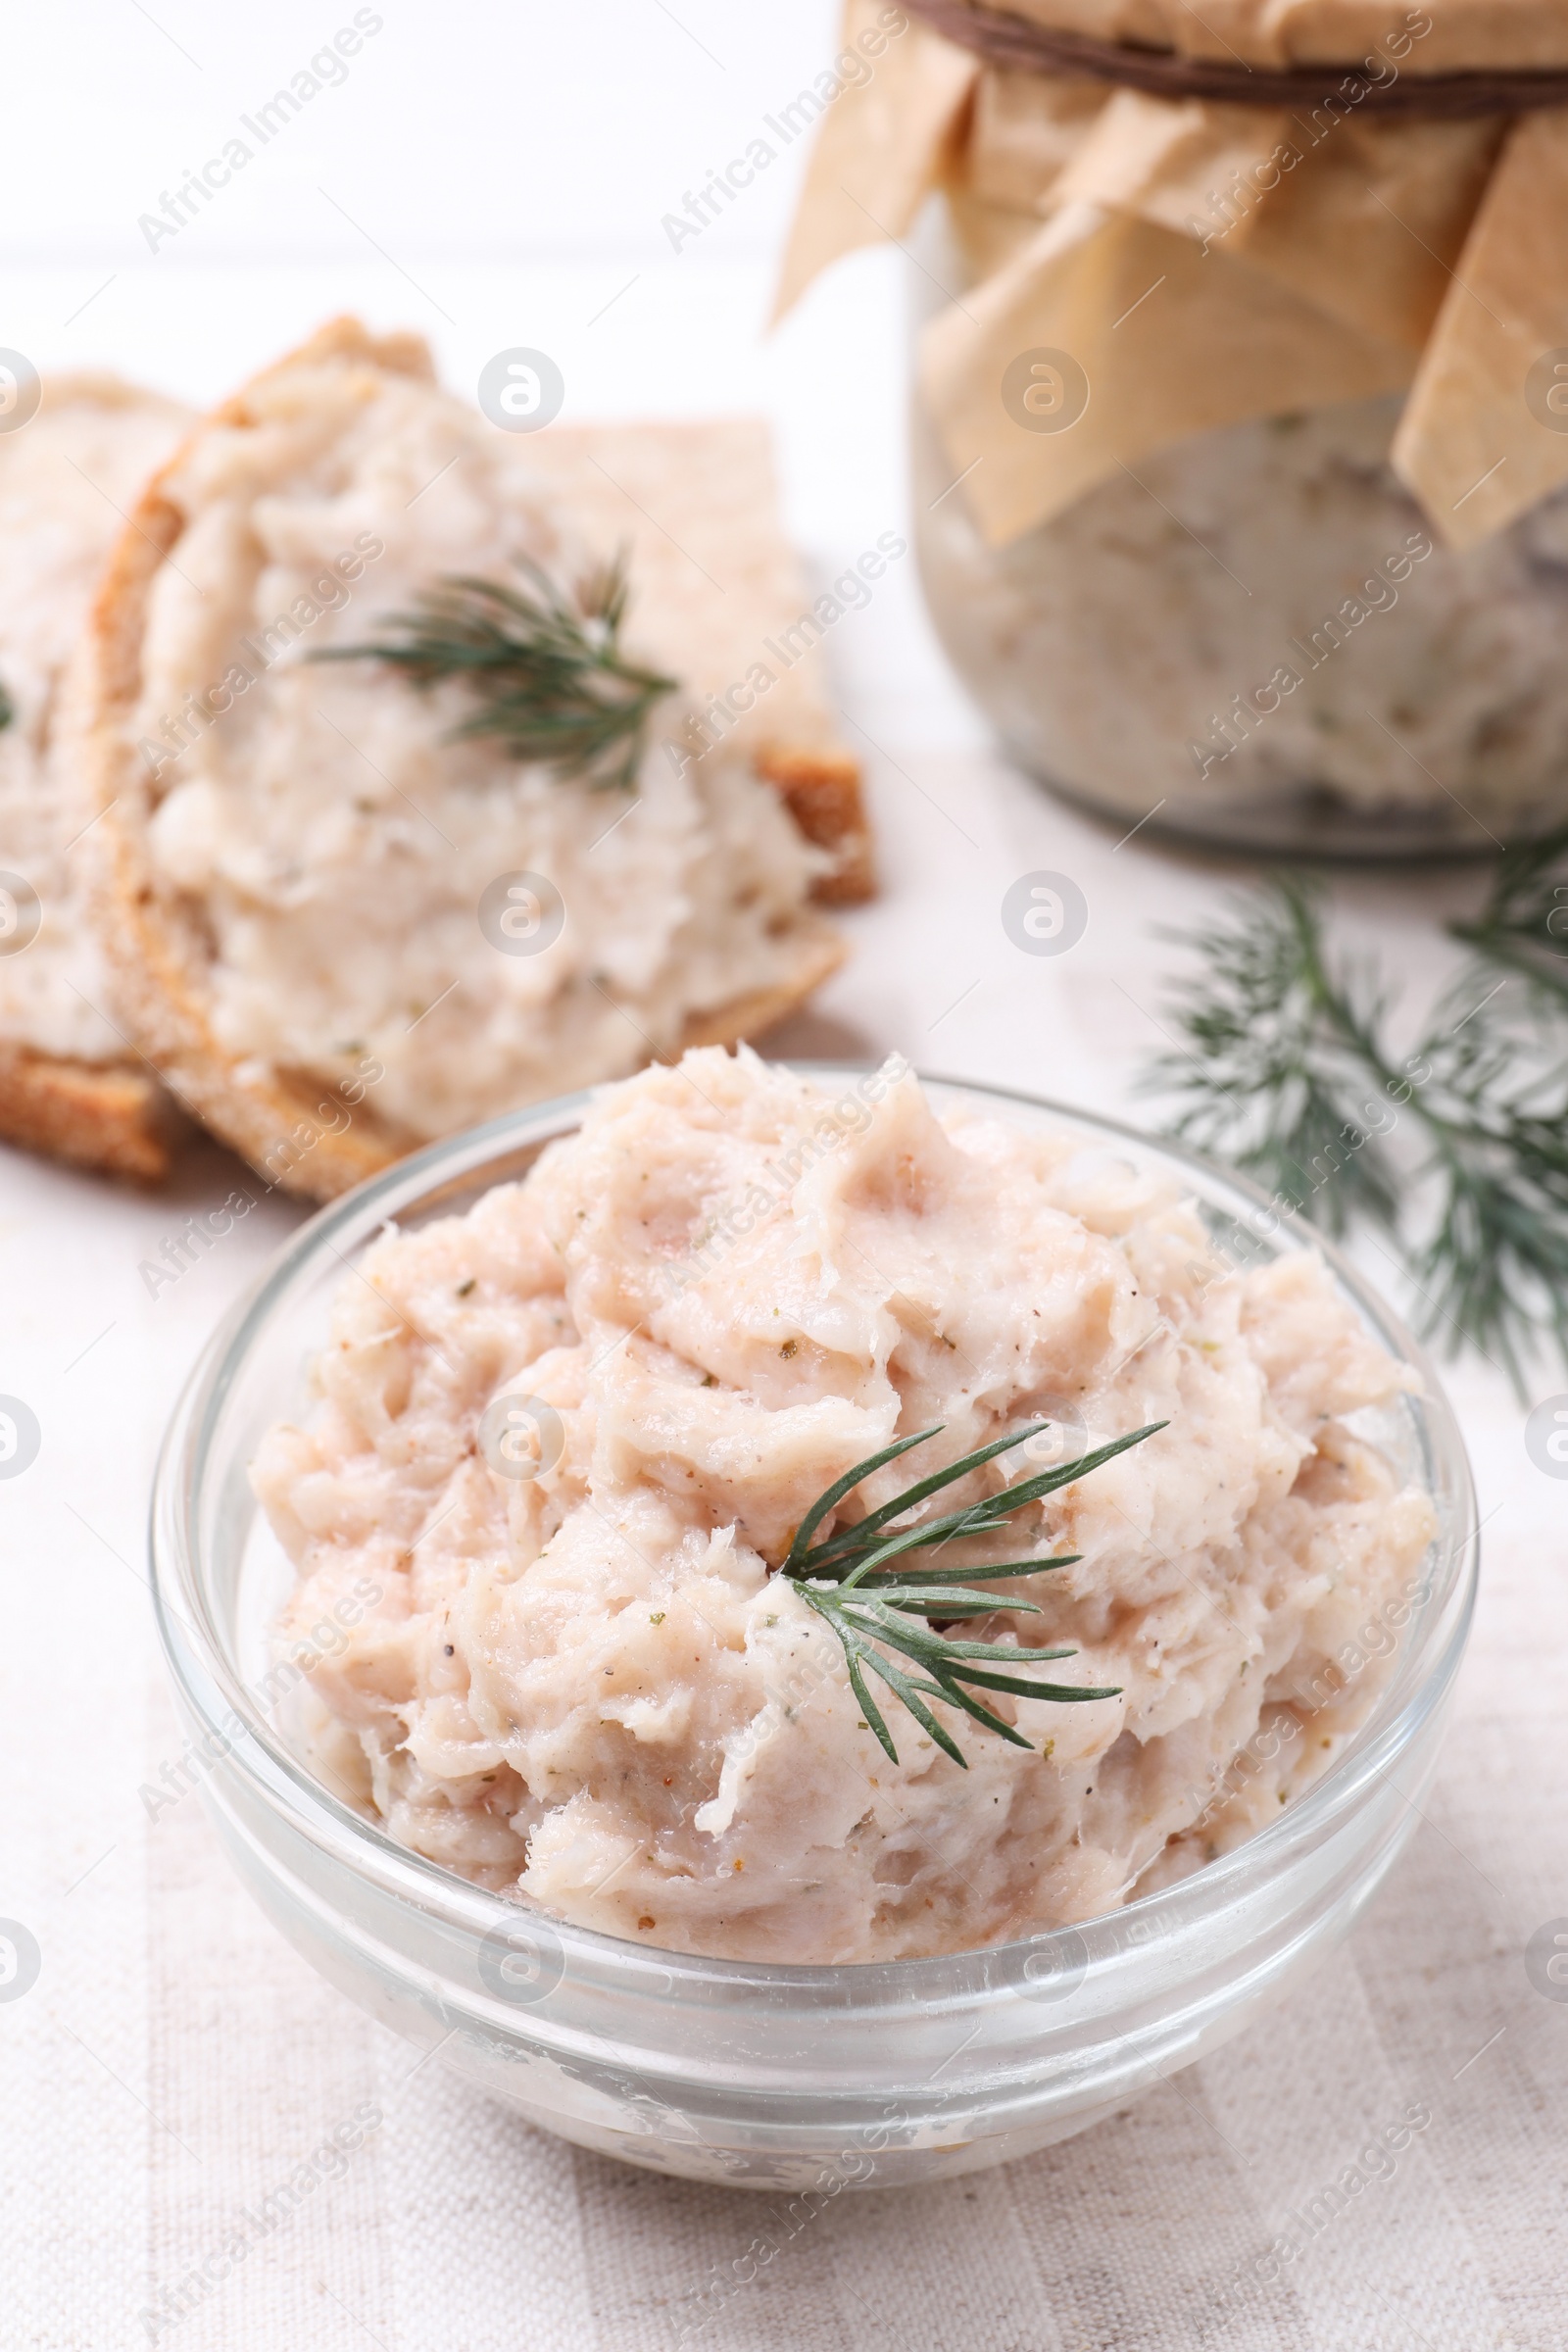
762	2076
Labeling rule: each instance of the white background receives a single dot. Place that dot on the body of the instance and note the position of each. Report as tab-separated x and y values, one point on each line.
497	176
491	175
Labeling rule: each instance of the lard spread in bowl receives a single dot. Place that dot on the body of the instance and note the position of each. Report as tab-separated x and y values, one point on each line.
537	1748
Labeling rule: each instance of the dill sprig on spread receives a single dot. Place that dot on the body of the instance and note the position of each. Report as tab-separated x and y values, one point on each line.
1285	1069
545	673
873	1608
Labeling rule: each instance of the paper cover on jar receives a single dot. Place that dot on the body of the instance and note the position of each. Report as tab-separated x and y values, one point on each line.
1150	267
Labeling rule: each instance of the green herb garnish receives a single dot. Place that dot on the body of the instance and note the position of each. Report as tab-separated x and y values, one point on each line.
846	1580
1286	1070
1278	1051
7	710
1522	927
546	676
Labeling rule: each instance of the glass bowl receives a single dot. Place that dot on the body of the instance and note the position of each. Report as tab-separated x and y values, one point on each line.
763	2077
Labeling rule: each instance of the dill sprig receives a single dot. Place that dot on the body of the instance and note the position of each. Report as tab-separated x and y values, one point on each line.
1274	1068
1522	927
1285	1069
873	1608
545	673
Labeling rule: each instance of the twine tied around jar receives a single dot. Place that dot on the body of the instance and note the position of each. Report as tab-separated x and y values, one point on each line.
1021	43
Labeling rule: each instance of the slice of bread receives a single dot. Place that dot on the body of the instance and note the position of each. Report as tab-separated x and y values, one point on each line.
71	1085
720	598
253	963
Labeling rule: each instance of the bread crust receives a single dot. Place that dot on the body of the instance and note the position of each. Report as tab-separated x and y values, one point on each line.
295	1130
821	790
104	1116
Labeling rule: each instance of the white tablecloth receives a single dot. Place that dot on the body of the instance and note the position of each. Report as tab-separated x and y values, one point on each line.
174	2064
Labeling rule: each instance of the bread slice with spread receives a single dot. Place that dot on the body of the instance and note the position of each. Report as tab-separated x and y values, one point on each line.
720	603
71	1084
365	872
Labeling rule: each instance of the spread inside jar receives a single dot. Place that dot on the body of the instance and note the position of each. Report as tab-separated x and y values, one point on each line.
1262	621
565	1442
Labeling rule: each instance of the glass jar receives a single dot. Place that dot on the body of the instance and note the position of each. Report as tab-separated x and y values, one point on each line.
760	2075
1254	639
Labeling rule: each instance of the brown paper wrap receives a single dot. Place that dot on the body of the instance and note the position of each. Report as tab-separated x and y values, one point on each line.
1204	263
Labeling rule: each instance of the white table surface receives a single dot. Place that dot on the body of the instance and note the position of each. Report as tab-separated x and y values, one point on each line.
495	181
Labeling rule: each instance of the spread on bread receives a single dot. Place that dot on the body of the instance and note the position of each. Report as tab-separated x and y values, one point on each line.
68	1082
343	921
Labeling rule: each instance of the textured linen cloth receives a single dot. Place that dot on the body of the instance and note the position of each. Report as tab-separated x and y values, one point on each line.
175	2065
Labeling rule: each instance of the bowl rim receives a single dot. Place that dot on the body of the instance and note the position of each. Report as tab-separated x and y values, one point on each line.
180	1607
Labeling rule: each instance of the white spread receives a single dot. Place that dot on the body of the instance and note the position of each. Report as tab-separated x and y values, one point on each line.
67	478
1263	616
731	1288
338	843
